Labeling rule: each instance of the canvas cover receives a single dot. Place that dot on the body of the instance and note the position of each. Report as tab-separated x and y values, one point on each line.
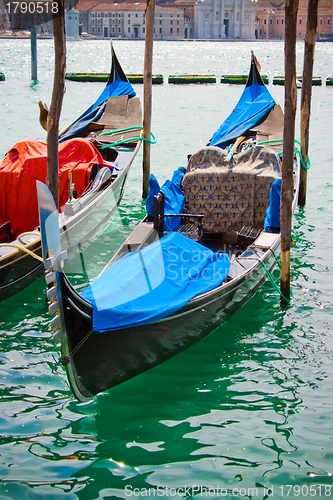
117	85
253	106
26	163
174	198
155	282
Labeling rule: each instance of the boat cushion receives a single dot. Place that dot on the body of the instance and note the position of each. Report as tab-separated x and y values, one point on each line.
233	196
207	157
154	282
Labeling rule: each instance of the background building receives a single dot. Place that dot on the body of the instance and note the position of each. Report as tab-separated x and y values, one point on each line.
225	19
126	20
270	22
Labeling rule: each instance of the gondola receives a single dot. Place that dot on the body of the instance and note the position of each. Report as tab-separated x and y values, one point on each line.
95	154
210	238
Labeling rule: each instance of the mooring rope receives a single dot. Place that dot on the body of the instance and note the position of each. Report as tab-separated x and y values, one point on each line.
18	247
131	139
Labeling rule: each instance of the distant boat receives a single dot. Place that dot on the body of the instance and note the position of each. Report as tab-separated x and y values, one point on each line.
98	166
209	240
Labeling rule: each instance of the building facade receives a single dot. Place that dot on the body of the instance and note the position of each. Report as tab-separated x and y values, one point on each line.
127	20
72	23
218	19
270	19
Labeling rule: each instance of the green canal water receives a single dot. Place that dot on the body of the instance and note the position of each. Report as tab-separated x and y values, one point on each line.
245	413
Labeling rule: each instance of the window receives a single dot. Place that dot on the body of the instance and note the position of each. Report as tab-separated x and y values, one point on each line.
119	29
281	21
264	21
321	21
170	30
129	30
177	30
328	21
171	21
136	15
143	30
129	21
129	15
160	30
300	21
271	21
177	22
277	21
160	21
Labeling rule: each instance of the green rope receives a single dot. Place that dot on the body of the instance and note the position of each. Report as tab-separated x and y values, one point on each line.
273	282
123	141
122	130
306	167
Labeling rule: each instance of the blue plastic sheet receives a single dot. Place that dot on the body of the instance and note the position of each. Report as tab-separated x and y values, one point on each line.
153	283
174	198
253	106
92	114
272	219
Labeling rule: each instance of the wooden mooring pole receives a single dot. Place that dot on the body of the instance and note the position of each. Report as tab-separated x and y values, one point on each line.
147	93
290	96
33	44
52	180
309	47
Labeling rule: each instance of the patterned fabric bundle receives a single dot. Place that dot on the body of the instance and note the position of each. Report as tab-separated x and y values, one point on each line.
230	196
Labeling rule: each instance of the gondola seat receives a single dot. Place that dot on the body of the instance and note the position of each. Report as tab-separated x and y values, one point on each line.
230	196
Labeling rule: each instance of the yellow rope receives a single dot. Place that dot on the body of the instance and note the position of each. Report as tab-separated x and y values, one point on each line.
34	255
29	233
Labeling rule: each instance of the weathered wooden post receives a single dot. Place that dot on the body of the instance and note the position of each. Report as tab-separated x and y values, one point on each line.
309	47
33	44
147	93
52	180
290	97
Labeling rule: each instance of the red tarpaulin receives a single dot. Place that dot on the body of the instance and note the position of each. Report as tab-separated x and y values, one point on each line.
25	163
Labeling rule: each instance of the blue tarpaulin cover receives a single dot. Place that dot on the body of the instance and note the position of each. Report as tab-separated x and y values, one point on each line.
253	106
95	111
272	219
117	84
153	283
174	198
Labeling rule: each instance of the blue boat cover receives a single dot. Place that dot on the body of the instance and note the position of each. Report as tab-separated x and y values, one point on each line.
155	282
117	84
272	219
174	198
253	106
115	88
